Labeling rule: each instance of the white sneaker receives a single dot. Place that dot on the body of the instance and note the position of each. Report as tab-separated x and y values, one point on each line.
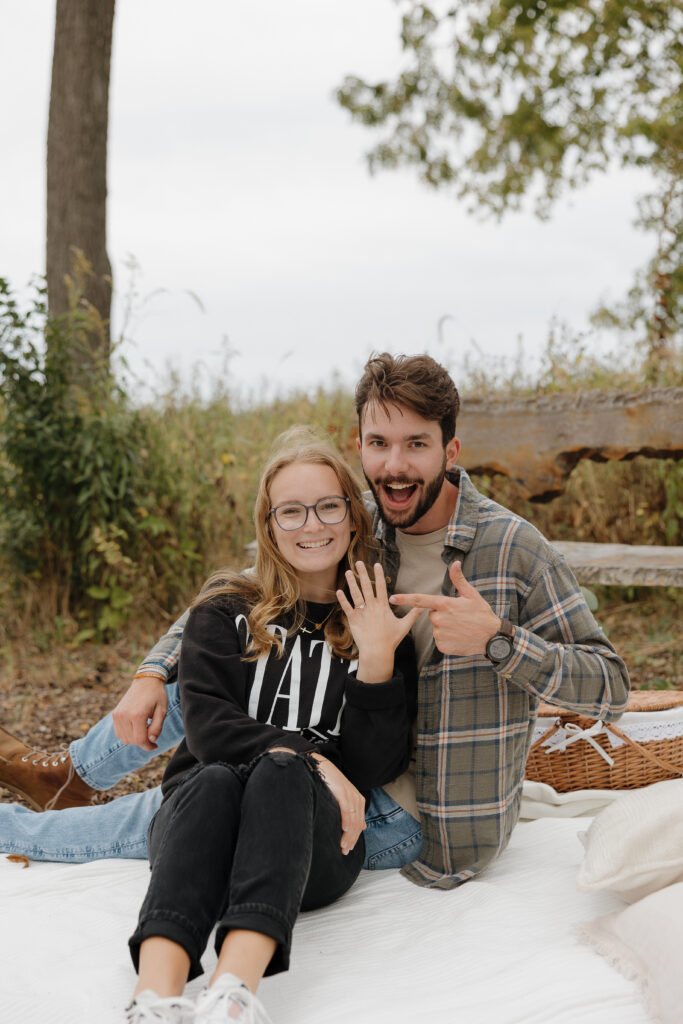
149	1008
229	1000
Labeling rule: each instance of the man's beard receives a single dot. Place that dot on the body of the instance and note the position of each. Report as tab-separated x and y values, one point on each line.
398	518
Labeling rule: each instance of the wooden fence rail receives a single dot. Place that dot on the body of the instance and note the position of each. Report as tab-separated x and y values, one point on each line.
538	441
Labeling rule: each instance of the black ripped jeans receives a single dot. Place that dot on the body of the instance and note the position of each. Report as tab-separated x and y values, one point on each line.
243	847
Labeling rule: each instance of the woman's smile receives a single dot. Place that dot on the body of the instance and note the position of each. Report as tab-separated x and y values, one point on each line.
314	549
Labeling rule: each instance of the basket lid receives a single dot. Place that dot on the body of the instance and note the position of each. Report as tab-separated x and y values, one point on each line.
654	700
639	700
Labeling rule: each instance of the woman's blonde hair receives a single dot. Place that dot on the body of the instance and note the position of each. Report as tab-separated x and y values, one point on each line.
273	590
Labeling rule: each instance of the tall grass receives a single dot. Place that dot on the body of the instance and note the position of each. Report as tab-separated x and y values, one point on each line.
183	494
636	502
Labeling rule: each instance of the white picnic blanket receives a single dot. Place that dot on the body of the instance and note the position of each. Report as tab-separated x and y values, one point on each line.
498	950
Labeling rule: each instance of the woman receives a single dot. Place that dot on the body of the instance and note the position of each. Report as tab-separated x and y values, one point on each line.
293	709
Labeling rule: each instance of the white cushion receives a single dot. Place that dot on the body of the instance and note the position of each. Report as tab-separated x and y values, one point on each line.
644	942
635	846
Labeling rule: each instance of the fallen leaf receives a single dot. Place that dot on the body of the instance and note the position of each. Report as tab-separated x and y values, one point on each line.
18	858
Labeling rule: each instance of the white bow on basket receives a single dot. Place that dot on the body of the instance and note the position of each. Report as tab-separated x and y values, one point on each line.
570	732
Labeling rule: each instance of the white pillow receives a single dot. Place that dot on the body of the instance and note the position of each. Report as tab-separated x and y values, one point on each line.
644	942
635	846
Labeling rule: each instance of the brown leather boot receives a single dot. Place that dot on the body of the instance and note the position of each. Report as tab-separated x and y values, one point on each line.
46	781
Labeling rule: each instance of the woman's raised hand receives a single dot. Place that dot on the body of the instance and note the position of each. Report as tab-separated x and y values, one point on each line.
376	630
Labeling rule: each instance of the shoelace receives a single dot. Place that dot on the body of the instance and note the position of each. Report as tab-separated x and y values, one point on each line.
148	1013
218	997
39	757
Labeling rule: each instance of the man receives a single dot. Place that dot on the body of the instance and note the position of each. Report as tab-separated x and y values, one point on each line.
506	626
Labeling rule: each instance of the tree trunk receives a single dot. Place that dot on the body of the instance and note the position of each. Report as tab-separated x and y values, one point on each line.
77	174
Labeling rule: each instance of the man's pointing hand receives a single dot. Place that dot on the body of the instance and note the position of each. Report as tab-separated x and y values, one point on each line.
462	625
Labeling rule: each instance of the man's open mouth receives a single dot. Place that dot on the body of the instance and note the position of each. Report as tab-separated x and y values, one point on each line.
399	494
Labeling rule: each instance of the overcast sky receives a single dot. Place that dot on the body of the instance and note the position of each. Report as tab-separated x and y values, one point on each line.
234	175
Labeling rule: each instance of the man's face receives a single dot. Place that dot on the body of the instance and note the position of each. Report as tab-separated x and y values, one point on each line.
404	461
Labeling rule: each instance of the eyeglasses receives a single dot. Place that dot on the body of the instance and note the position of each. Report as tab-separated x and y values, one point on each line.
293	515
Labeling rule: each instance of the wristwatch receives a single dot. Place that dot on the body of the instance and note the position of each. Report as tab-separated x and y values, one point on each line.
499	647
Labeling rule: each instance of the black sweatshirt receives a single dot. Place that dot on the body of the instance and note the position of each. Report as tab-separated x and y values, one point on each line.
306	700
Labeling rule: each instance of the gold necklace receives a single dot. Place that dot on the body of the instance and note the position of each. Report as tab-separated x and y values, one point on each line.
317	625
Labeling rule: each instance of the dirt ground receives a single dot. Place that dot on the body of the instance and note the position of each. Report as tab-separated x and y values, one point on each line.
52	695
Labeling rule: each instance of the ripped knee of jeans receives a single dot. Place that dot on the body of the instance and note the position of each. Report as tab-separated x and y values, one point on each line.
283	758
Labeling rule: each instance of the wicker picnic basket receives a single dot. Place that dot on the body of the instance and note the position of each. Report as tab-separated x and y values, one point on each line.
570	752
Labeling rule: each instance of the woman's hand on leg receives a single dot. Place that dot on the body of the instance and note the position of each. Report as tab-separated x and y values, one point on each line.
351	802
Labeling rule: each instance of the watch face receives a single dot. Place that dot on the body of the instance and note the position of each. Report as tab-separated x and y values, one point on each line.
499	648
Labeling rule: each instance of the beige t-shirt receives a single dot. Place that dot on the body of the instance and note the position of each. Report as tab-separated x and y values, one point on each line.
421	572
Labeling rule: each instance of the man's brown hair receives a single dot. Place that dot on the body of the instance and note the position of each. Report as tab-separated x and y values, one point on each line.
418	382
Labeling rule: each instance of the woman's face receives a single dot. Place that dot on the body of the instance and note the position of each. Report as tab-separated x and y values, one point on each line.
315	549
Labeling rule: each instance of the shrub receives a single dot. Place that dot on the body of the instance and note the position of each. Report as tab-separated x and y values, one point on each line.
72	476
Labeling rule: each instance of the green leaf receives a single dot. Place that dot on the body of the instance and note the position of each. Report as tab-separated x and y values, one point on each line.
83	635
120	598
154	525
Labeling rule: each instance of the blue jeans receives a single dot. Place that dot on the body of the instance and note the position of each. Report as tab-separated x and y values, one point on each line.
102	760
393	837
119	829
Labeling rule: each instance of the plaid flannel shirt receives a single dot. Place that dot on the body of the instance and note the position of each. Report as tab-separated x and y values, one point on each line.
162	660
475	722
